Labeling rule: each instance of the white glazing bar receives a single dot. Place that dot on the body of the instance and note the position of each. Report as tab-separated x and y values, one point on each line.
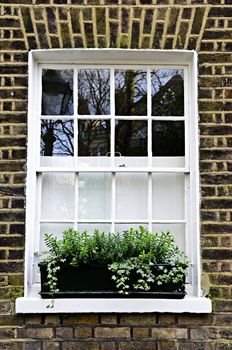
186	113
149	204
38	93
168	118
75	101
149	122
114	169
36	236
56	117
76	200
58	221
113	201
112	123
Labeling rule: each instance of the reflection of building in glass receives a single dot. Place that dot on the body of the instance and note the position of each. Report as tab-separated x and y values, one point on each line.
57	96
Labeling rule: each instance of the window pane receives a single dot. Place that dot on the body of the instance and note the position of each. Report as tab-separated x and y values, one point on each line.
130	92
131	196
168	196
94	196
52	228
93	137
57	92
93	91
167	89
57	138
90	228
131	138
168	139
177	230
58	196
125	227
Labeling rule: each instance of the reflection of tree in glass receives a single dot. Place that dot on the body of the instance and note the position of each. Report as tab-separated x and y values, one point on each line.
131	138
130	92
94	91
168	139
57	138
167	92
57	96
93	137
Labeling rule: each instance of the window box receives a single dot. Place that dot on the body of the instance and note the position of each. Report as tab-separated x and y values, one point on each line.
95	281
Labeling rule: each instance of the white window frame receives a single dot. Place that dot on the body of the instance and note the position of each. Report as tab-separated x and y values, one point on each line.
194	301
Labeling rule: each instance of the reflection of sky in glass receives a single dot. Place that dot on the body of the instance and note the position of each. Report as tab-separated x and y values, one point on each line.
56	138
93	137
167	88
130	92
93	91
131	137
57	92
168	138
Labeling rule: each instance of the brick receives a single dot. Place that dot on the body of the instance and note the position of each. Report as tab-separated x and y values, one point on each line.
167	345
140	332
108	319
35	333
194	346
80	346
83	332
135	345
131	319
169	333
84	319
64	332
107	332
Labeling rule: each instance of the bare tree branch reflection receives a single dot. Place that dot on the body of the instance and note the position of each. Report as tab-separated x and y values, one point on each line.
57	138
94	91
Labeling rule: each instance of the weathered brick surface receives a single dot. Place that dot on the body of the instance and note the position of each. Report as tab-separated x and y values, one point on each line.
203	25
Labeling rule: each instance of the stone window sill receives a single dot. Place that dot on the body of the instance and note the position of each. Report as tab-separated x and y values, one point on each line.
35	304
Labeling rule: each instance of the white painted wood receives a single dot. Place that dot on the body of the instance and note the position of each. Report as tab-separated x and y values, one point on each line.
115	169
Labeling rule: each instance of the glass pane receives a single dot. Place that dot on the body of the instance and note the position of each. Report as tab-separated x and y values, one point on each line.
131	138
94	196
56	138
168	139
167	90
90	228
58	196
168	196
93	91
54	229
177	230
125	227
57	92
130	92
93	137
131	196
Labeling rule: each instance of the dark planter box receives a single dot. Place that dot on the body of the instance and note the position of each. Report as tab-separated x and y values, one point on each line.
88	281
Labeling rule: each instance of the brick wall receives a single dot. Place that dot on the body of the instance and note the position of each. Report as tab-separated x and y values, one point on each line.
203	25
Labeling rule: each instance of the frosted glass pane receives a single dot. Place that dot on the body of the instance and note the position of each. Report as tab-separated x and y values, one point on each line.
54	229
94	196
90	228
168	196
177	230
125	227
57	198
131	196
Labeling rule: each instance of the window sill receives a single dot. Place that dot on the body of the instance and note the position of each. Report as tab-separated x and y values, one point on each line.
35	304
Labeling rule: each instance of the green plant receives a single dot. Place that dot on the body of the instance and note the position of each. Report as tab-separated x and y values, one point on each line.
137	258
